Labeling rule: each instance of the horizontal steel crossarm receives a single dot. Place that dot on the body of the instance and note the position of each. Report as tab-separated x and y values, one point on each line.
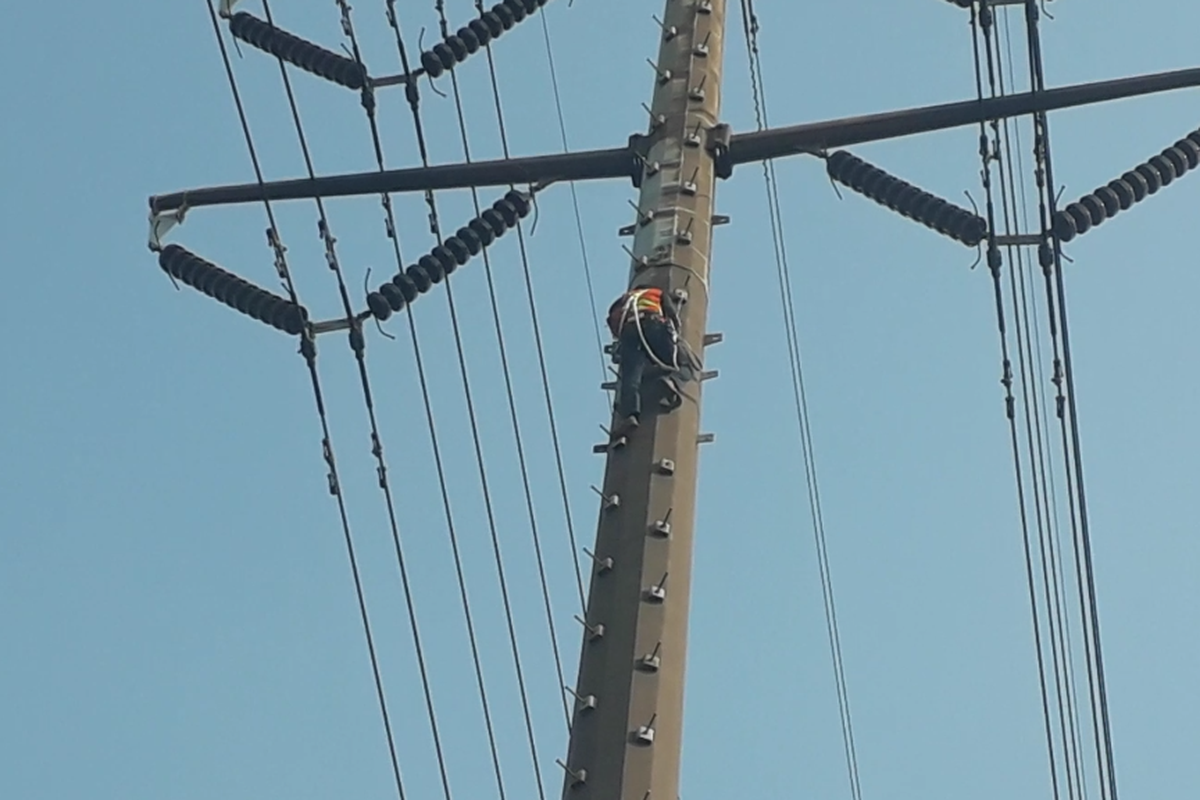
589	165
744	148
778	142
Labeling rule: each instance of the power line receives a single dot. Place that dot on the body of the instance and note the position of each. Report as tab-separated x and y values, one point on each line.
583	248
512	406
308	349
537	337
435	225
1073	455
758	87
988	151
1030	404
358	345
1034	405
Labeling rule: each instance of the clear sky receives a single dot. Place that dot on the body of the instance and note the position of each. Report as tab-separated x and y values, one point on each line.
177	616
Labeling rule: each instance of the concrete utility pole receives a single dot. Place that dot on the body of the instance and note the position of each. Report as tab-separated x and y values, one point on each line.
627	732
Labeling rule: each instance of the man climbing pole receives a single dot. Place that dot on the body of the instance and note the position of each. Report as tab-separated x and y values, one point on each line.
645	324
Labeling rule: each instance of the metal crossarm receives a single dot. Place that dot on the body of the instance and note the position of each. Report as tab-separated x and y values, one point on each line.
626	162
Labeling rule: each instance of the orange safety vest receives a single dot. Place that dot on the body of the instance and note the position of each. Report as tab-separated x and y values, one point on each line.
642	302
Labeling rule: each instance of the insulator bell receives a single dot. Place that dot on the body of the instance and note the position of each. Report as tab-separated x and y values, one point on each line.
507	18
431	267
445	259
481	31
458	247
407	286
420	278
469	39
470	239
300	52
394	297
379	306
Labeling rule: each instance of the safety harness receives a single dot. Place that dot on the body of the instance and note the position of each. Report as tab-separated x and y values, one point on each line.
650	300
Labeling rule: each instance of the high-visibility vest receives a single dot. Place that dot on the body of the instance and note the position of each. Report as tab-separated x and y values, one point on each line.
639	302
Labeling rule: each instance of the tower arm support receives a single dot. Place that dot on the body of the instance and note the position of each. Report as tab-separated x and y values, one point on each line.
627	161
818	136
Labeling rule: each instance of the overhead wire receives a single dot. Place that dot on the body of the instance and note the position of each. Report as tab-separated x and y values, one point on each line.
518	438
1031	406
308	349
1035	405
435	226
1072	447
394	235
988	151
358	346
750	24
583	248
537	338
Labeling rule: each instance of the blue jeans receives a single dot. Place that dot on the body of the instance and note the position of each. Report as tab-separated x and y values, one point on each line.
634	359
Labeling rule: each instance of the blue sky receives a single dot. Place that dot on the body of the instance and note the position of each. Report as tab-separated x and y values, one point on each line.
176	610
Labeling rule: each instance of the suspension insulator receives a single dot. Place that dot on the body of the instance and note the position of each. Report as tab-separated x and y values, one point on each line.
455	251
238	294
303	54
455	48
906	199
1134	186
